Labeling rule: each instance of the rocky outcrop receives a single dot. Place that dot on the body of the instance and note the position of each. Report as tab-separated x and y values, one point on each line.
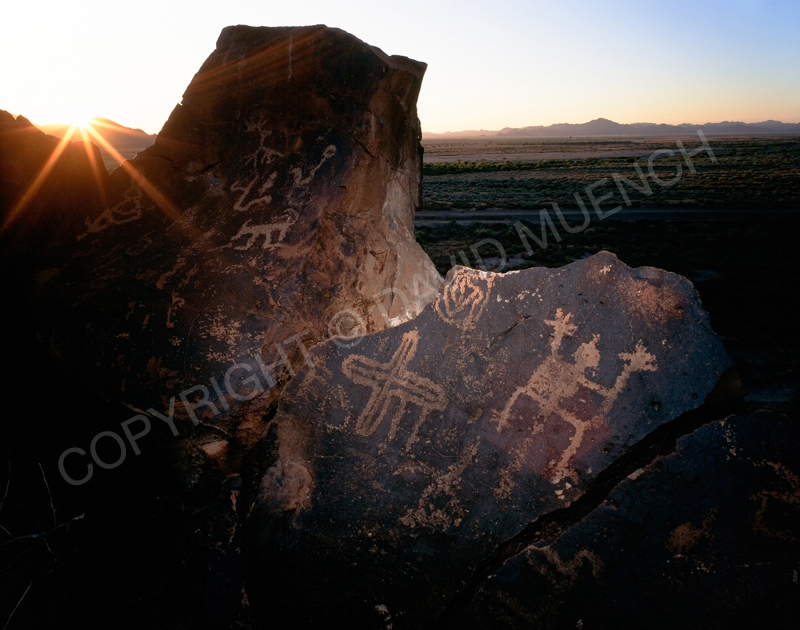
704	537
274	210
403	460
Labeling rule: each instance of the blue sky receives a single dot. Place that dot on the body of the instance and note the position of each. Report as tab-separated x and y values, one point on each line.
506	63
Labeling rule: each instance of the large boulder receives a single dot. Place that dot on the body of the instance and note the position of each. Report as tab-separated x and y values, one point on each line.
402	460
274	210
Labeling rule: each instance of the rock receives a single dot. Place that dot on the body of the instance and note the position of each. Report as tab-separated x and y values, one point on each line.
401	460
274	210
706	537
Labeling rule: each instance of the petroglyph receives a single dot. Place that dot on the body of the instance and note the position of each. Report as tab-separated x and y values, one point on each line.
556	379
568	568
299	180
127	210
254	232
464	298
264	200
393	385
452	514
177	302
263	154
787	501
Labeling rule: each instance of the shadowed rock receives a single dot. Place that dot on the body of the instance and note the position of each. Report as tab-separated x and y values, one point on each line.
403	460
274	210
705	537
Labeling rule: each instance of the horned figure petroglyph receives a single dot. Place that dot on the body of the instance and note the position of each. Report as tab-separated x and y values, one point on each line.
393	385
556	379
254	232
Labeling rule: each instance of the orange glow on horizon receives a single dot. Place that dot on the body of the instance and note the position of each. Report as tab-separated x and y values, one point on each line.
166	206
86	128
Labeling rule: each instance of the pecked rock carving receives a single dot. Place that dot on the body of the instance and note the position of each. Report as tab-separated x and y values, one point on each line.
556	380
280	193
274	210
429	444
704	536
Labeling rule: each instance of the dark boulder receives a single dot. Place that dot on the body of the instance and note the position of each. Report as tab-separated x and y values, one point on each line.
402	461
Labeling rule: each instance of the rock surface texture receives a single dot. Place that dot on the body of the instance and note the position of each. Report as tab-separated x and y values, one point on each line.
274	209
703	537
402	461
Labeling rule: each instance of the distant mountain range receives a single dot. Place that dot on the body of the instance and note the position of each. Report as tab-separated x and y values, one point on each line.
119	136
605	127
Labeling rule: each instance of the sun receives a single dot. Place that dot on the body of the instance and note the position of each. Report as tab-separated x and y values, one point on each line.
82	122
78	116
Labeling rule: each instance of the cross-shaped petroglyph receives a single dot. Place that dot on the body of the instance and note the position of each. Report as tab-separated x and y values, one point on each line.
556	379
254	232
392	382
129	209
464	298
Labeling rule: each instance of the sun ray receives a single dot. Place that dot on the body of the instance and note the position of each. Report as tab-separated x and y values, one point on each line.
93	162
164	204
151	191
40	179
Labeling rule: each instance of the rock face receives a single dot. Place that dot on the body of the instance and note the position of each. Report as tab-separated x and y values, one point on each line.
274	210
705	537
402	460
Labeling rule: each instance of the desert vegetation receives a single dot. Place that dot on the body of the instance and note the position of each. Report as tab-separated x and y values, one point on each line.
744	265
749	174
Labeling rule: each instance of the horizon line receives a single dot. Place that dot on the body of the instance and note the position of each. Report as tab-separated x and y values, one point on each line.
642	122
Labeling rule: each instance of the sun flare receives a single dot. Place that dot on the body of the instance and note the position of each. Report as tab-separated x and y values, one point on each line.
83	123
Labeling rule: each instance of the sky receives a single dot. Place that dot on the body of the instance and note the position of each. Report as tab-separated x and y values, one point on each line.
504	63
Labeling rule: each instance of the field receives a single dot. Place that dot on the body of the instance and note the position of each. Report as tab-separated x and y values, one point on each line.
746	173
731	227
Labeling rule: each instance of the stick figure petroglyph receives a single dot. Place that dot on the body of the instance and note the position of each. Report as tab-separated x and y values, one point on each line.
392	382
263	154
556	379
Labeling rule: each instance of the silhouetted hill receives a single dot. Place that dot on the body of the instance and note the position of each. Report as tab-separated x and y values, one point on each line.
119	136
605	127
